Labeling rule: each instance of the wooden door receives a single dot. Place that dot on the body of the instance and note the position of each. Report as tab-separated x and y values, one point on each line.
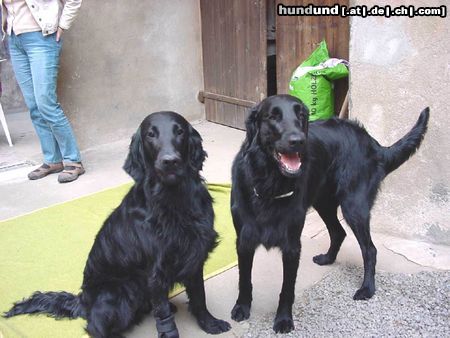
234	58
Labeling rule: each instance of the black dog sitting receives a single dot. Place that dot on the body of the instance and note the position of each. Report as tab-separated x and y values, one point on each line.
283	168
159	235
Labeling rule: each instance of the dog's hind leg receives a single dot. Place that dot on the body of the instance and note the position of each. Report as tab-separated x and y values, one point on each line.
109	316
326	207
357	215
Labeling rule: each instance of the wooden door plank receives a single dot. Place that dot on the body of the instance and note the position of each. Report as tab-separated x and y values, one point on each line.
234	56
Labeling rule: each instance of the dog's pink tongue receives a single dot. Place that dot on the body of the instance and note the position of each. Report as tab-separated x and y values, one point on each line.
291	161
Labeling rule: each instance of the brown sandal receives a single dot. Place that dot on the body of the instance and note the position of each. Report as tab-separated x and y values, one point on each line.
71	172
44	170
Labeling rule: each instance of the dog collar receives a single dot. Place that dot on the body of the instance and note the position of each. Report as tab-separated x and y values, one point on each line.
288	194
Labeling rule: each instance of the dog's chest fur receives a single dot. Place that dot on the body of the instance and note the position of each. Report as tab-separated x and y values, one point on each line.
184	240
277	219
274	220
168	234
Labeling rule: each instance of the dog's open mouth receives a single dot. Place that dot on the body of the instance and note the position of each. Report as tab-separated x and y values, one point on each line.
290	163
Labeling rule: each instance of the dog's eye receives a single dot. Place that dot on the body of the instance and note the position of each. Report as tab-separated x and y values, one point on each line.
275	116
180	131
151	134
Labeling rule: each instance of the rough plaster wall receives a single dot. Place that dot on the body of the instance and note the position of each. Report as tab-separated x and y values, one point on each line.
398	67
12	99
124	59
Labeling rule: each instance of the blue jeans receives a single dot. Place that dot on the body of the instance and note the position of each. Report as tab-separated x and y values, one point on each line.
35	59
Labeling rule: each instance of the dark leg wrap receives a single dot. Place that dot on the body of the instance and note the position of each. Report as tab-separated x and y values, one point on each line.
166	327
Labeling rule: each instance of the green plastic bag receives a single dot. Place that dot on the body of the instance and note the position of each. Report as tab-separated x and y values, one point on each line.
312	82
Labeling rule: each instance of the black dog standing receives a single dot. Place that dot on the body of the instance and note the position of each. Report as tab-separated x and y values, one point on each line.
285	166
161	234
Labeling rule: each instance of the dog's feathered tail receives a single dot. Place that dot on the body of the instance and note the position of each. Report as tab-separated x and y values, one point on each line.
56	304
395	155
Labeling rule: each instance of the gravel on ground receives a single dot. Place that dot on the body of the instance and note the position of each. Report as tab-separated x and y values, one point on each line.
404	305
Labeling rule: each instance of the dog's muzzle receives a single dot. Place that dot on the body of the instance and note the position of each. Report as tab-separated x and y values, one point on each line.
169	168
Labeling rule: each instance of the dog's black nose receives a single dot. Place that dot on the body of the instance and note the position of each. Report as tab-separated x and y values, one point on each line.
295	140
170	161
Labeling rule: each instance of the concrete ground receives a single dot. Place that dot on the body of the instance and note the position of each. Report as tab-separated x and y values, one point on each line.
103	170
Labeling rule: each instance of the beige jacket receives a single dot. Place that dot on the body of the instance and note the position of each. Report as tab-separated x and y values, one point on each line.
49	14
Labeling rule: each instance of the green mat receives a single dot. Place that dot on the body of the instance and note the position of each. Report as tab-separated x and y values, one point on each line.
47	250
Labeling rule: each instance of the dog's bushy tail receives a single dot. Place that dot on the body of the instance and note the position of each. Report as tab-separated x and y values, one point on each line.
56	304
403	149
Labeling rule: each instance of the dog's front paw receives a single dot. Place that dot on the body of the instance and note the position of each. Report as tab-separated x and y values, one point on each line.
215	326
166	327
364	293
323	259
240	312
171	334
283	324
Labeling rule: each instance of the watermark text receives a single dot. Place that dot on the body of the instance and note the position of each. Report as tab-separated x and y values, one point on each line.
362	10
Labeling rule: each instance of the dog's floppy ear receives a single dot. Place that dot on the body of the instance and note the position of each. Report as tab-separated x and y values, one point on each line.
305	112
251	125
196	153
135	163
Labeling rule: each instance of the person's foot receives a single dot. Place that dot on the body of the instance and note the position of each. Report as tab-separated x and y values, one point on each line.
71	172
44	170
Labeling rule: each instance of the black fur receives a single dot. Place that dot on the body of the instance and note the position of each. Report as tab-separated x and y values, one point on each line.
161	234
341	164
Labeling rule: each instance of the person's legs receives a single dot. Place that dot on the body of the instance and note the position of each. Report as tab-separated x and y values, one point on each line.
22	70
43	53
